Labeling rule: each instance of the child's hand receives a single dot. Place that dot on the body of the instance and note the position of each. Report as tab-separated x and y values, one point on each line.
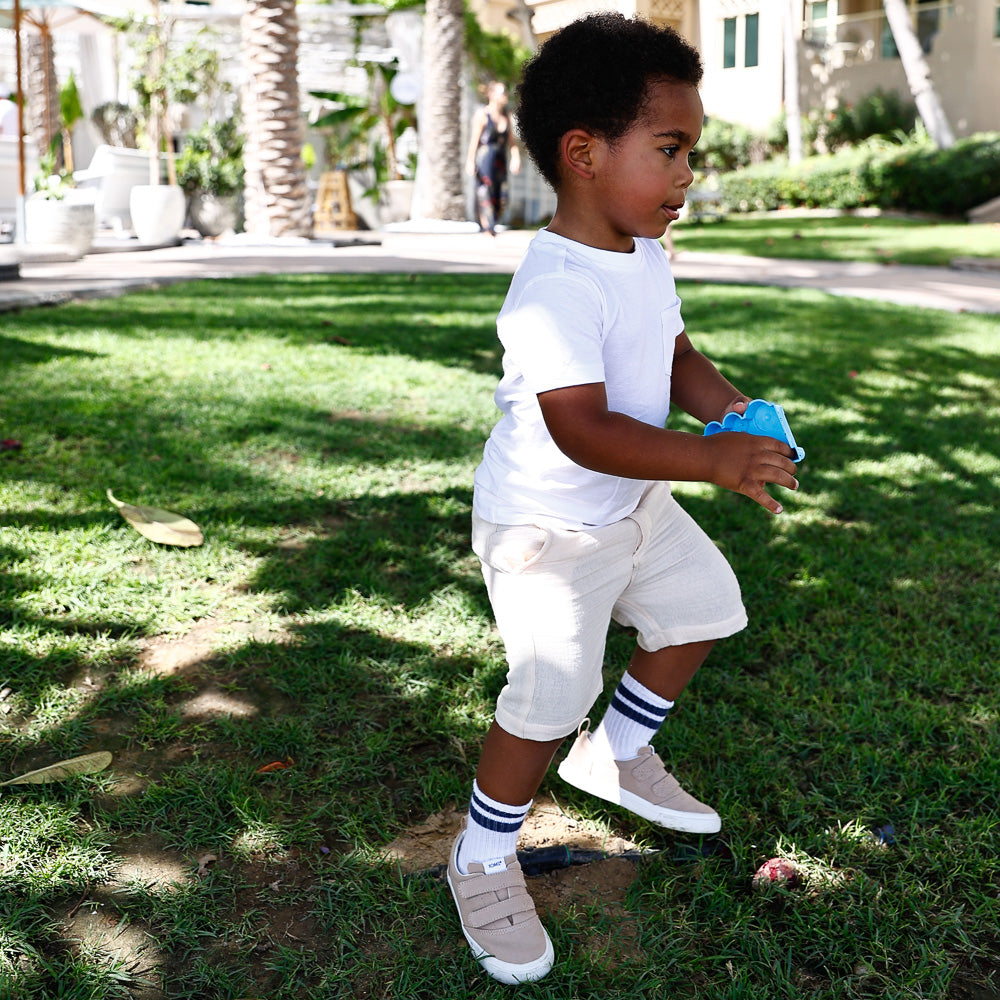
738	405
743	463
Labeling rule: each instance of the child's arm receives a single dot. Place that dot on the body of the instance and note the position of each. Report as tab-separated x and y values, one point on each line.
699	388
597	438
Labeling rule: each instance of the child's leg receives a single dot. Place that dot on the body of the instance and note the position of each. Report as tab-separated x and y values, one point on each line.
498	917
552	592
510	768
652	683
681	597
510	771
617	763
669	670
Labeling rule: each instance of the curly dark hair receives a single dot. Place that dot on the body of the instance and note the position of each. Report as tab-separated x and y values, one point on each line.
594	74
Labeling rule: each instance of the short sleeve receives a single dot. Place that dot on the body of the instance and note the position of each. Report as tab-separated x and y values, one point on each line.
553	333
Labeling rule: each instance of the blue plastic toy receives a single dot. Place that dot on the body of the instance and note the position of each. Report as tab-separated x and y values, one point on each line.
763	418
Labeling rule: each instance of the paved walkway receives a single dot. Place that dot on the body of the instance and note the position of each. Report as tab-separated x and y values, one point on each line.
111	270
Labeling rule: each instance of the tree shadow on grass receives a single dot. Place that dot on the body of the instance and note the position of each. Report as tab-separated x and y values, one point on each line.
17	352
402	315
341	708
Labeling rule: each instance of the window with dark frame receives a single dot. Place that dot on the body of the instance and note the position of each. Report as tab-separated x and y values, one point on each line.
750	41
816	26
926	15
729	43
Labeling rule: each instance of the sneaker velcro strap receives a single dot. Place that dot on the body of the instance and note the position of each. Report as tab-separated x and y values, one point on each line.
650	768
502	909
510	879
668	786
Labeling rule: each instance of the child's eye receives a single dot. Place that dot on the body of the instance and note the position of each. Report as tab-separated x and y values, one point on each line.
671	151
694	156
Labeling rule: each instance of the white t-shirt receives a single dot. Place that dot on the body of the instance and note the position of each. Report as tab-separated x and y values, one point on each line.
575	315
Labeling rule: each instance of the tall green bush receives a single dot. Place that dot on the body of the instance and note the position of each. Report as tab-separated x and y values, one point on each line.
882	113
727	146
911	177
945	181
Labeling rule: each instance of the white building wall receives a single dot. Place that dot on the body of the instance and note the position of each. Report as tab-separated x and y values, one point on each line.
751	95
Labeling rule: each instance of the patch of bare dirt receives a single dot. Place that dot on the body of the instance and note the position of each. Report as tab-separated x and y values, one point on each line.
170	654
427	846
93	924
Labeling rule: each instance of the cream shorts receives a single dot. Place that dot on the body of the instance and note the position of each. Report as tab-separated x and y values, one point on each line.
554	592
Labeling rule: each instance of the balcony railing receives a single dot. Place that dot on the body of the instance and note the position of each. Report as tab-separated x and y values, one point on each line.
850	39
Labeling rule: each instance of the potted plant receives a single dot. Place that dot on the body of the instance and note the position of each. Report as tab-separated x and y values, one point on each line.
157	209
210	172
365	132
166	79
53	216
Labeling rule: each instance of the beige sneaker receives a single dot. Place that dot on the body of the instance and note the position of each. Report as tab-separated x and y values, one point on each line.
641	785
499	919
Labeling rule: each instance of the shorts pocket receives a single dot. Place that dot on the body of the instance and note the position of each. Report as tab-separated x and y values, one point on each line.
514	548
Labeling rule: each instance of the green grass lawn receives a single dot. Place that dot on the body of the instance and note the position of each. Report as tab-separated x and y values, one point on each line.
323	430
879	239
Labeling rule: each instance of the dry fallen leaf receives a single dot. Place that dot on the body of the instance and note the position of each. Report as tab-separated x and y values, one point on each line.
203	862
163	526
89	763
275	765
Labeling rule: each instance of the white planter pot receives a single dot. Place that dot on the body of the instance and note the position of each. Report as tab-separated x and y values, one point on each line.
213	215
66	228
397	198
157	212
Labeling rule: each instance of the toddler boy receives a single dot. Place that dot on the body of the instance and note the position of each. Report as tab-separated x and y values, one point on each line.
573	519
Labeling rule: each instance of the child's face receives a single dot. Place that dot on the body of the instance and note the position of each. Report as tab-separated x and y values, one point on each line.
646	174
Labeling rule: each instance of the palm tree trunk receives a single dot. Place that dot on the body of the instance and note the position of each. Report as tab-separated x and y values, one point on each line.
276	195
441	110
918	74
42	91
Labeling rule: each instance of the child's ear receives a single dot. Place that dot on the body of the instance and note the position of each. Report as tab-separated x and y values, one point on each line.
577	149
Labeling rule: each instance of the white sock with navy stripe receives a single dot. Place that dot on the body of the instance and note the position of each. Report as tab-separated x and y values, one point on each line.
632	718
491	831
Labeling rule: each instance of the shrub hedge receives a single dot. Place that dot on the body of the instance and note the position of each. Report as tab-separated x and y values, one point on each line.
912	177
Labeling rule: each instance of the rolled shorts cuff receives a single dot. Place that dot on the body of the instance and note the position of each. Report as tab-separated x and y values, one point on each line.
539	733
693	633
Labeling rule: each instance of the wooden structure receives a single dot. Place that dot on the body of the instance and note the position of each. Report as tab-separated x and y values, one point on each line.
333	212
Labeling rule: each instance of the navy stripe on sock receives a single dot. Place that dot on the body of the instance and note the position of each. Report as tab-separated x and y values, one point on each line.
493	825
502	814
644	706
650	721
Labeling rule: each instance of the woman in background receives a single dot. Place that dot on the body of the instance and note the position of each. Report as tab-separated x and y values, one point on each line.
492	151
